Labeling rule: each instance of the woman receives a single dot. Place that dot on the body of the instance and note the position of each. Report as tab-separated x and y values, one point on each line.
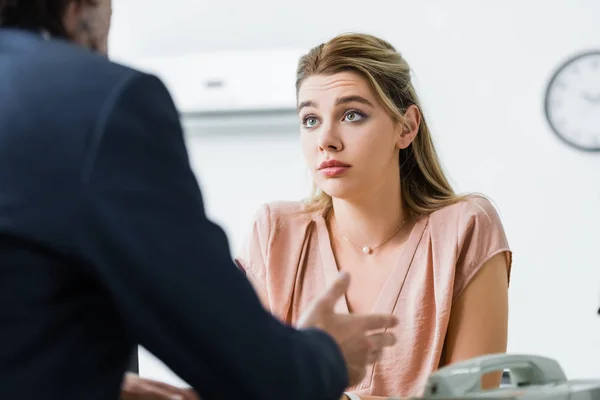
383	211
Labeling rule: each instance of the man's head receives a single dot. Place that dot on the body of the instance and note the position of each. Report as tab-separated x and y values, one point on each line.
85	22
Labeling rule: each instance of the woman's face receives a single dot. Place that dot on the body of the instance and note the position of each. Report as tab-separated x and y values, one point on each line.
349	141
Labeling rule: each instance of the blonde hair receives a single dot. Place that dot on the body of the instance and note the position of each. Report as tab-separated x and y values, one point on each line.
425	188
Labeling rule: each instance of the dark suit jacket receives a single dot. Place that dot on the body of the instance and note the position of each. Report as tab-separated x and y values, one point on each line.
104	243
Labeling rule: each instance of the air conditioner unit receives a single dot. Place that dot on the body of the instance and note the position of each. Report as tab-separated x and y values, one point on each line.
245	92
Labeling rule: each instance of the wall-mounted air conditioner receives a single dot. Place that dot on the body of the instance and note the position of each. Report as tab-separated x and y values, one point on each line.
235	92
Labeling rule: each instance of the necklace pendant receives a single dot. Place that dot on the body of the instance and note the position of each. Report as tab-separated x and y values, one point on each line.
366	250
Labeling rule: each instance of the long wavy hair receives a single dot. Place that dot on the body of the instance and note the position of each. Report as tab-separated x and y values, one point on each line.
425	188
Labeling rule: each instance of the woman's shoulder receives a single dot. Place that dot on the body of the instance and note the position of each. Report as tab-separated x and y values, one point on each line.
471	232
472	208
474	223
285	209
276	215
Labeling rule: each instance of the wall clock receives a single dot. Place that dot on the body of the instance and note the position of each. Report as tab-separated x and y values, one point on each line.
572	101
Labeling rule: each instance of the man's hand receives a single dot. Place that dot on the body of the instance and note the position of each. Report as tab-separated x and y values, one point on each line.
136	388
356	335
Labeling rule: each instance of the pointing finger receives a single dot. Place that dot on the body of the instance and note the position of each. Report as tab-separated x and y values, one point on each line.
337	290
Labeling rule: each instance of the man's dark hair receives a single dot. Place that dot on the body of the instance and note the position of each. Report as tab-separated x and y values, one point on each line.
36	15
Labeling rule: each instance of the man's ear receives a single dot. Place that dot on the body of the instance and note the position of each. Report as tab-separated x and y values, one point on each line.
71	18
408	127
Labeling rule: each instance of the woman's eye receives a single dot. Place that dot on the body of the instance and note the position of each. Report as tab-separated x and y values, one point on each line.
310	122
352	116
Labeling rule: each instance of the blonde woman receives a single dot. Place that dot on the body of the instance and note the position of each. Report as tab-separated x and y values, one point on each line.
383	211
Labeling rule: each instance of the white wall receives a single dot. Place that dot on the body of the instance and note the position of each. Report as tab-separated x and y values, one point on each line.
482	68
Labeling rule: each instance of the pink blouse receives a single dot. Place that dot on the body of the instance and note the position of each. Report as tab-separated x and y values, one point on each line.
289	260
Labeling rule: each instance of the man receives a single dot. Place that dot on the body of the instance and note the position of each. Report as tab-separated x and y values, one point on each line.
105	243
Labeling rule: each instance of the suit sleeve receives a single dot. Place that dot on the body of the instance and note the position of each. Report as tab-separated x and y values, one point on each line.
169	271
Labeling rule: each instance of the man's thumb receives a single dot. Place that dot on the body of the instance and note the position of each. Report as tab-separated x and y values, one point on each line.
335	291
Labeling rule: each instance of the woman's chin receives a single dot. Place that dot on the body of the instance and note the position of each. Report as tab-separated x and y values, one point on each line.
339	190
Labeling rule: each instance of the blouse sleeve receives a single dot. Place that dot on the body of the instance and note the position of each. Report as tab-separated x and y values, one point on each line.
481	236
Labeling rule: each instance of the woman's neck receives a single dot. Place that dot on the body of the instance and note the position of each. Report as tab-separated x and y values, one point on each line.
371	219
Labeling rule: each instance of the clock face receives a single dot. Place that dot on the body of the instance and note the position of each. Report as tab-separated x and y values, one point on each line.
572	102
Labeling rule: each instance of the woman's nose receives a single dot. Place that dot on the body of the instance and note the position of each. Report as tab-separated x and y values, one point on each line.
329	140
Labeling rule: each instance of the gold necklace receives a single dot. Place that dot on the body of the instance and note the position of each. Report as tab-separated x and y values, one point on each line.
369	249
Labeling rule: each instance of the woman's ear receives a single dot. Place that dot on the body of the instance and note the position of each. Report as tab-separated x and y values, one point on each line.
409	127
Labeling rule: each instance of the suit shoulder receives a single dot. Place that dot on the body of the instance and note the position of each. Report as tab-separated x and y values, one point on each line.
94	73
68	57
